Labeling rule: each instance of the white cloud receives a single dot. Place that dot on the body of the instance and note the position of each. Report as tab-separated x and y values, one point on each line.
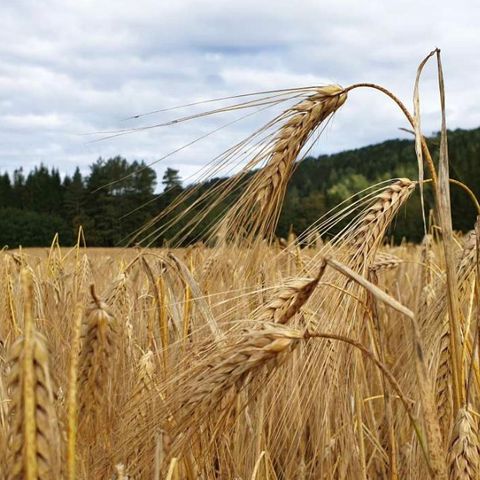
69	67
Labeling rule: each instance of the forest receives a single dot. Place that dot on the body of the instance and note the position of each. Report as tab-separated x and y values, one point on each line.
117	197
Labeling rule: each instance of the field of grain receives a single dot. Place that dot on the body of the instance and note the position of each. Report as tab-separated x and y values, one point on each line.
236	364
319	356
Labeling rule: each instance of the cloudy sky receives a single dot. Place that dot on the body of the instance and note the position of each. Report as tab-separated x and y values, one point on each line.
73	67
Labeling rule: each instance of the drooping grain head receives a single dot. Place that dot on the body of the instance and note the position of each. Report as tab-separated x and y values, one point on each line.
290	298
385	261
97	360
256	213
231	365
34	435
368	235
464	451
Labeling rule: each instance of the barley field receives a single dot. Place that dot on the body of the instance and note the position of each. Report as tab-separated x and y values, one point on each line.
318	356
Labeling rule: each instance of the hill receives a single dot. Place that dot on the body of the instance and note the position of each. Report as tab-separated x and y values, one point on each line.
35	206
320	183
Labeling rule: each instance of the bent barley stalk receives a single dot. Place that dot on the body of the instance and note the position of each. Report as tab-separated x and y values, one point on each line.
258	209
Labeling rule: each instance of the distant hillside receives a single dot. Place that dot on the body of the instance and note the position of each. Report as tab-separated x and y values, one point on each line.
35	206
320	183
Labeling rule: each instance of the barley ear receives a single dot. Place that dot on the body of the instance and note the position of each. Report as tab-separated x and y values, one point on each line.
96	360
373	224
33	433
257	211
464	450
290	299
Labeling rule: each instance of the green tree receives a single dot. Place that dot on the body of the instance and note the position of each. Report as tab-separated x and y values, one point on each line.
171	179
43	191
19	187
116	191
31	229
7	198
346	187
74	201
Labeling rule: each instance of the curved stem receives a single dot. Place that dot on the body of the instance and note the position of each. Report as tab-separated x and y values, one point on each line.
467	190
469	193
386	92
403	108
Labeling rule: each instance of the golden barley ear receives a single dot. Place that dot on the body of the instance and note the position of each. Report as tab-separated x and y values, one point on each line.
368	235
385	261
464	449
257	211
464	269
145	383
290	298
96	362
33	441
120	473
234	364
139	406
427	292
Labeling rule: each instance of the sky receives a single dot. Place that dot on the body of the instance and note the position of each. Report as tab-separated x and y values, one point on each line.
69	69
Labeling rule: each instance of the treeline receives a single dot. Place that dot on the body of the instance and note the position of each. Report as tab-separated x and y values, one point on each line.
114	200
117	198
321	183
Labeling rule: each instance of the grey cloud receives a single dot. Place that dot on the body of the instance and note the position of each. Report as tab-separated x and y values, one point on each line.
72	67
